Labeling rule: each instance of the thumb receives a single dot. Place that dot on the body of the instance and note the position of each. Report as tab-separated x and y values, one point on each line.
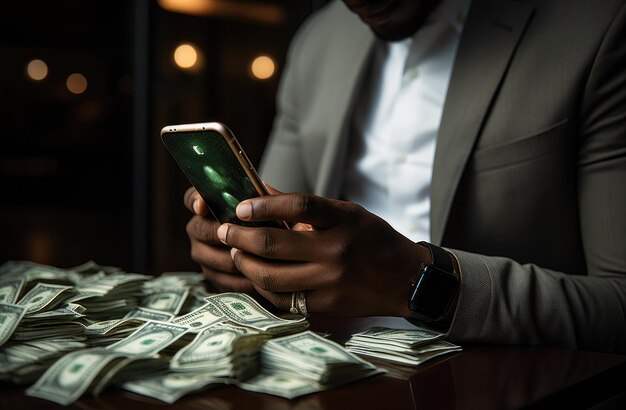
195	203
300	226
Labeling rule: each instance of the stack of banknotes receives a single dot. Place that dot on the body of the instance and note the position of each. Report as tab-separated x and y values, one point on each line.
68	332
407	346
309	361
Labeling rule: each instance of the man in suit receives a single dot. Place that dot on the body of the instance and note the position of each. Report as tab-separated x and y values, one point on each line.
496	130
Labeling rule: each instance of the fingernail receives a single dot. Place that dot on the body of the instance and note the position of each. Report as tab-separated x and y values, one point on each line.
233	251
244	210
222	231
196	207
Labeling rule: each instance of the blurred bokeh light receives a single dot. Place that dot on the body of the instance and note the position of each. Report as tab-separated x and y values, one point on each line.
251	11
263	67
76	83
37	70
185	56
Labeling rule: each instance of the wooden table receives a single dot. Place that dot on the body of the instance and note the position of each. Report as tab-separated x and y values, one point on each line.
480	377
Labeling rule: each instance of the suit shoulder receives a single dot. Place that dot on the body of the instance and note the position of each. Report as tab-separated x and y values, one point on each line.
332	26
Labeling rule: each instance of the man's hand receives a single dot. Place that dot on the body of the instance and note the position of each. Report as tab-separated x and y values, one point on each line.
207	250
351	263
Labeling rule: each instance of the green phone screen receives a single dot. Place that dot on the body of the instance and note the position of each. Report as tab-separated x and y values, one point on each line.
208	162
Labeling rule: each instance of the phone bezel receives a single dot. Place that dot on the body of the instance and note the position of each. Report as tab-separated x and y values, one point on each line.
234	146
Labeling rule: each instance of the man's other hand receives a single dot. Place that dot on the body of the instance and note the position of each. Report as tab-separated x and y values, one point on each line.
207	250
350	263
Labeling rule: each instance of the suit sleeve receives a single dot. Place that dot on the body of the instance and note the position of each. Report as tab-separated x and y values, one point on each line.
502	301
281	165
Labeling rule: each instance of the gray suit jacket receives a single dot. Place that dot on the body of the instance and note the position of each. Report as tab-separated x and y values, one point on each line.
529	179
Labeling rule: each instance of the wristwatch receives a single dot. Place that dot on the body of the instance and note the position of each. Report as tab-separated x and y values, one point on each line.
434	288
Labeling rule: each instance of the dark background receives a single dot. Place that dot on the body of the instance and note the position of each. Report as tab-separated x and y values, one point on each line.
85	176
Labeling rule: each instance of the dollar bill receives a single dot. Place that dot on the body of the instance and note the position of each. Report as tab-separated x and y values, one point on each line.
280	384
10	317
45	296
176	280
76	372
195	300
211	345
65	320
166	299
398	337
128	368
47	330
111	295
221	351
68	311
171	386
9	267
118	280
315	358
10	291
205	316
149	339
33	272
244	310
191	278
415	357
113	326
24	362
391	348
84	294
146	314
406	346
310	346
70	376
91	267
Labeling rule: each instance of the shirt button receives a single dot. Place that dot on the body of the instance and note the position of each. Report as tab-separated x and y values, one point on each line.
401	158
413	73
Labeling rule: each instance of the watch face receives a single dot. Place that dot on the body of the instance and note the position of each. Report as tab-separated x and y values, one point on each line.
433	292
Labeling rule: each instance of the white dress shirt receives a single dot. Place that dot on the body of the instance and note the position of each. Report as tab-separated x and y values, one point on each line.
396	121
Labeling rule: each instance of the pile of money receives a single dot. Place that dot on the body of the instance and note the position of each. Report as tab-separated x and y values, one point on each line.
241	309
169	387
221	351
304	363
229	329
63	321
408	346
92	369
159	296
217	343
24	362
80	330
112	295
32	273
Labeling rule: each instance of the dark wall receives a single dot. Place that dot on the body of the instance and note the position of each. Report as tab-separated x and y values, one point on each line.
65	158
79	171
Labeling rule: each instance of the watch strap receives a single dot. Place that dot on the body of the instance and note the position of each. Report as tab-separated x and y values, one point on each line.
441	262
439	257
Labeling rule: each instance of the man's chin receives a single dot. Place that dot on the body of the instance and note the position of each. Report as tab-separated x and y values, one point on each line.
400	20
391	32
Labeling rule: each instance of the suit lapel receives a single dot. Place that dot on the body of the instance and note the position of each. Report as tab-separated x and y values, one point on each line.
492	32
349	68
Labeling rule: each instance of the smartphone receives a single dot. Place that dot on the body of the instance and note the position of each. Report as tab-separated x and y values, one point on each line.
216	165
